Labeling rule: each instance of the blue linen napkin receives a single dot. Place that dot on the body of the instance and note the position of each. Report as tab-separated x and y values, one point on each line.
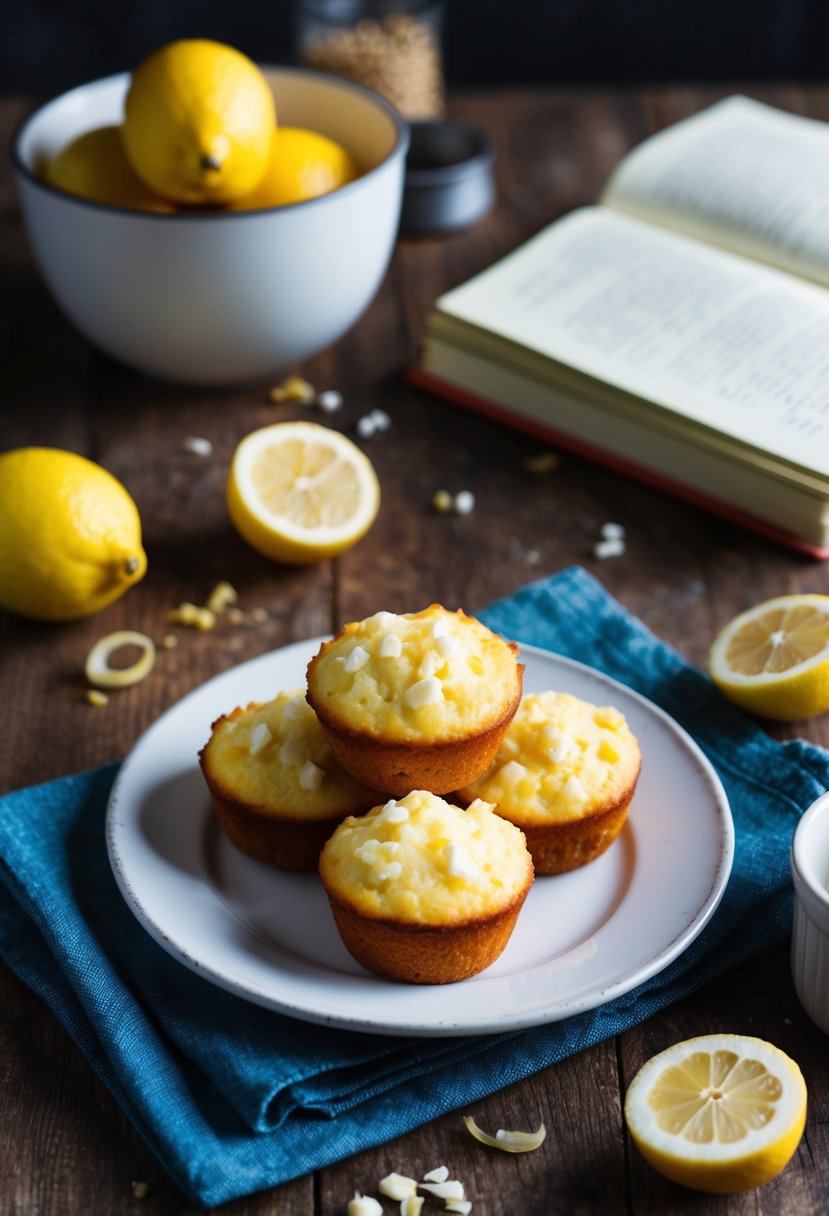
233	1098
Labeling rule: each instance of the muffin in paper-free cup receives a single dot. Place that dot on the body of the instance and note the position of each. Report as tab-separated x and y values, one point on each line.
419	700
424	892
275	786
565	773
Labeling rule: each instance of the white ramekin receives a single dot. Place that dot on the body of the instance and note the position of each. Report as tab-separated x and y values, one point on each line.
810	931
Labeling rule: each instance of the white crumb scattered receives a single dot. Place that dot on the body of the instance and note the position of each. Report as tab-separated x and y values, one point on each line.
464	502
198	445
330	400
611	547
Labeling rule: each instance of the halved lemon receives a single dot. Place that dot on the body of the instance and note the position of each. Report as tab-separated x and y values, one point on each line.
299	492
720	1113
773	660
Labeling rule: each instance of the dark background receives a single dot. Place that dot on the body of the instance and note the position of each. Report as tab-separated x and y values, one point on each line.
47	47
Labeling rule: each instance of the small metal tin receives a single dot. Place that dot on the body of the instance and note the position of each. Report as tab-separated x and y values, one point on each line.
448	183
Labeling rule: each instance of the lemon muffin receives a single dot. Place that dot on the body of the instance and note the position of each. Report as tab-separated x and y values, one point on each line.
423	891
565	774
419	700
277	789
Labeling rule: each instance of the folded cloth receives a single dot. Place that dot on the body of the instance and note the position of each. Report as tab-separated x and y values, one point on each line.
234	1098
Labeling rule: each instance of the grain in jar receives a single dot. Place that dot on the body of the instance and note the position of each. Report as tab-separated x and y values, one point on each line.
390	46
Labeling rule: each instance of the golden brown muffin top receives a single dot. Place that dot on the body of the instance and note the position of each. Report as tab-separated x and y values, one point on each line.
274	755
561	759
421	860
433	675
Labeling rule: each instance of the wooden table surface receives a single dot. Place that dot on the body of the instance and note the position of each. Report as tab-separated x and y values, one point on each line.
65	1147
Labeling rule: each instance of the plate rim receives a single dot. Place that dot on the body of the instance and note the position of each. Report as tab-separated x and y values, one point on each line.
557	1010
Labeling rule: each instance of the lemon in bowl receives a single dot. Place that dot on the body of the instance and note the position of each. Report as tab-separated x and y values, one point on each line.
199	121
302	165
219	297
95	166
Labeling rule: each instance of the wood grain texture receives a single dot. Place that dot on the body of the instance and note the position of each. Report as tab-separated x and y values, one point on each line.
64	1145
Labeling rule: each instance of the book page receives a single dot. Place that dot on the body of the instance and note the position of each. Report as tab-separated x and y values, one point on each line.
742	175
724	342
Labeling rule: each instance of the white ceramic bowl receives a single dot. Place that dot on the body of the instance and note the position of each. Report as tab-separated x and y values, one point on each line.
810	930
221	298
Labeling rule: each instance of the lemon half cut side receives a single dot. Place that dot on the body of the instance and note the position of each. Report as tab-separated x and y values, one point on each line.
720	1113
299	492
773	659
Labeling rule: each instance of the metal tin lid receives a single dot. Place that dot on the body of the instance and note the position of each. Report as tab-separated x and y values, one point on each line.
449	183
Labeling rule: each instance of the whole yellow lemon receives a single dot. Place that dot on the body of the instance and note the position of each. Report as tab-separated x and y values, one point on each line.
199	121
95	166
303	164
70	535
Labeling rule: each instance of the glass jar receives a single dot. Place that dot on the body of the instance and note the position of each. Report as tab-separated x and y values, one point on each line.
391	46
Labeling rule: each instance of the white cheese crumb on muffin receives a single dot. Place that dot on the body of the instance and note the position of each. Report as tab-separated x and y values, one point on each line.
565	773
423	891
415	700
275	784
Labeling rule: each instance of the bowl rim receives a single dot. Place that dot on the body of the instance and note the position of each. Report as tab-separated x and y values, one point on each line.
399	149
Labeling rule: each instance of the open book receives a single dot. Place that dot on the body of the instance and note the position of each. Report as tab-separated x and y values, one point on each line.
679	330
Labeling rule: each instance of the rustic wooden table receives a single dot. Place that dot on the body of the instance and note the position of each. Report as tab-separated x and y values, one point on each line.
65	1147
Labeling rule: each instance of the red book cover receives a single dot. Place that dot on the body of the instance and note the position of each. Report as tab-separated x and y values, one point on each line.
458	396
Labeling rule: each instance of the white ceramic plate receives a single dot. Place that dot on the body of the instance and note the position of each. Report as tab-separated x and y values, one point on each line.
268	936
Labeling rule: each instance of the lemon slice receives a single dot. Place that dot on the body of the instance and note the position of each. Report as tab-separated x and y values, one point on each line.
773	660
721	1113
300	492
